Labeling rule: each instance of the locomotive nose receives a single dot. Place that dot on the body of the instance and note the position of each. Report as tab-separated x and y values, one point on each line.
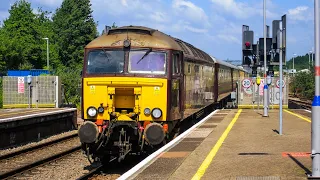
88	132
154	133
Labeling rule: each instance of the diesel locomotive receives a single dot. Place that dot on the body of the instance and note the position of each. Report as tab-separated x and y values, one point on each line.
138	83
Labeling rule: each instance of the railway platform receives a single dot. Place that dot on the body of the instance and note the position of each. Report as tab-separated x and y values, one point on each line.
238	144
21	126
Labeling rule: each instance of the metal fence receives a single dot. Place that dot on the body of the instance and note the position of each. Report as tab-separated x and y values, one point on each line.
43	91
250	95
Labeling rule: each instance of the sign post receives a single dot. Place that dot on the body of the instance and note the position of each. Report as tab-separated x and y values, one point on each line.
29	80
279	82
265	87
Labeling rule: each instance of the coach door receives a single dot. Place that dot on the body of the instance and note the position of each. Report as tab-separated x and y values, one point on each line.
176	90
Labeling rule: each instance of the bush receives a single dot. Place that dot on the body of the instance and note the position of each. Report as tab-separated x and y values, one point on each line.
302	85
70	77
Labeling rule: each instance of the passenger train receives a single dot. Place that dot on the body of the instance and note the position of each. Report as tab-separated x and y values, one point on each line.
138	84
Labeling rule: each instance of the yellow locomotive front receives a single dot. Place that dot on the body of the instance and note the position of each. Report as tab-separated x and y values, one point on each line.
125	92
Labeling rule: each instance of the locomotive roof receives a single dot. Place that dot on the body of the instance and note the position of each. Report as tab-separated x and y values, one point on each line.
140	37
147	37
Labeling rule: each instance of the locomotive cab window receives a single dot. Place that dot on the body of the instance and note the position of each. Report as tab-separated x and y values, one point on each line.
176	66
142	61
102	61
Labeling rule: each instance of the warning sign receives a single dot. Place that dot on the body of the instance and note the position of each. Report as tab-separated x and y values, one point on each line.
278	83
246	83
261	87
20	85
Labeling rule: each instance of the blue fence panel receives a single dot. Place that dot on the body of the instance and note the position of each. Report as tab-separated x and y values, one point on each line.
33	72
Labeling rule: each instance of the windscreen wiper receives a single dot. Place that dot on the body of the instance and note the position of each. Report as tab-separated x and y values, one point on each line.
146	54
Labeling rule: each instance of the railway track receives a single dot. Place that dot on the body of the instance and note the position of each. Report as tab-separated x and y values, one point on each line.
300	104
16	163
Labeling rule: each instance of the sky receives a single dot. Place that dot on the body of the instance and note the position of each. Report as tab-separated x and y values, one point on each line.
214	26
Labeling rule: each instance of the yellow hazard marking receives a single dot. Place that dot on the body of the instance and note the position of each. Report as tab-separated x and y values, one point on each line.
299	116
205	164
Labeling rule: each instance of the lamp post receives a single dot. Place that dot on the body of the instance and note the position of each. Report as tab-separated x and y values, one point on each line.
47	52
294	55
315	123
310	59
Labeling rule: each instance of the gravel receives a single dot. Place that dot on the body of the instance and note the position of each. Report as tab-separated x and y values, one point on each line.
38	154
33	144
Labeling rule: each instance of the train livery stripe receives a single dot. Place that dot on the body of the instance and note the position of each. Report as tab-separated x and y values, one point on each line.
299	116
205	164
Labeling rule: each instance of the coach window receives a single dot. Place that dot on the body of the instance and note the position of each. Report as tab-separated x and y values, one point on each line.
196	68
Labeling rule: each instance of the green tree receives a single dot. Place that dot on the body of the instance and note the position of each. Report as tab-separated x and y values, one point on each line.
21	44
302	85
114	25
300	62
74	27
21	36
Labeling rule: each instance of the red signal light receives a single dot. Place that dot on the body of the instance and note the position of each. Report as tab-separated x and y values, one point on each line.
247	44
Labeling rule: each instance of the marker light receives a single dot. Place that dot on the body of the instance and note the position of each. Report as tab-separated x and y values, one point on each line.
92	111
100	109
147	111
156	113
126	43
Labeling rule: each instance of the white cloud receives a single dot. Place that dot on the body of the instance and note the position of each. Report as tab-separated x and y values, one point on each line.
124	2
300	13
243	10
48	3
4	15
155	14
229	38
187	9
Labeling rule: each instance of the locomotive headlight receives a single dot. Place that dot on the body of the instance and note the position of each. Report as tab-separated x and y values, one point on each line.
156	113
147	111
92	111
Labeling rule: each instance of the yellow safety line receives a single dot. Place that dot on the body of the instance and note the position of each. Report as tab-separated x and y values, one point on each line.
205	164
306	119
19	112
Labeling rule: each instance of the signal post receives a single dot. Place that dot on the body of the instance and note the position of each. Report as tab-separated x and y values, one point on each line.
315	129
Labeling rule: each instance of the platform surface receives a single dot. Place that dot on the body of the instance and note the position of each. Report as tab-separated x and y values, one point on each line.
7	114
247	147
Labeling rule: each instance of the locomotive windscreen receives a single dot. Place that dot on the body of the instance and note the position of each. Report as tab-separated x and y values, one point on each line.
152	63
105	61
